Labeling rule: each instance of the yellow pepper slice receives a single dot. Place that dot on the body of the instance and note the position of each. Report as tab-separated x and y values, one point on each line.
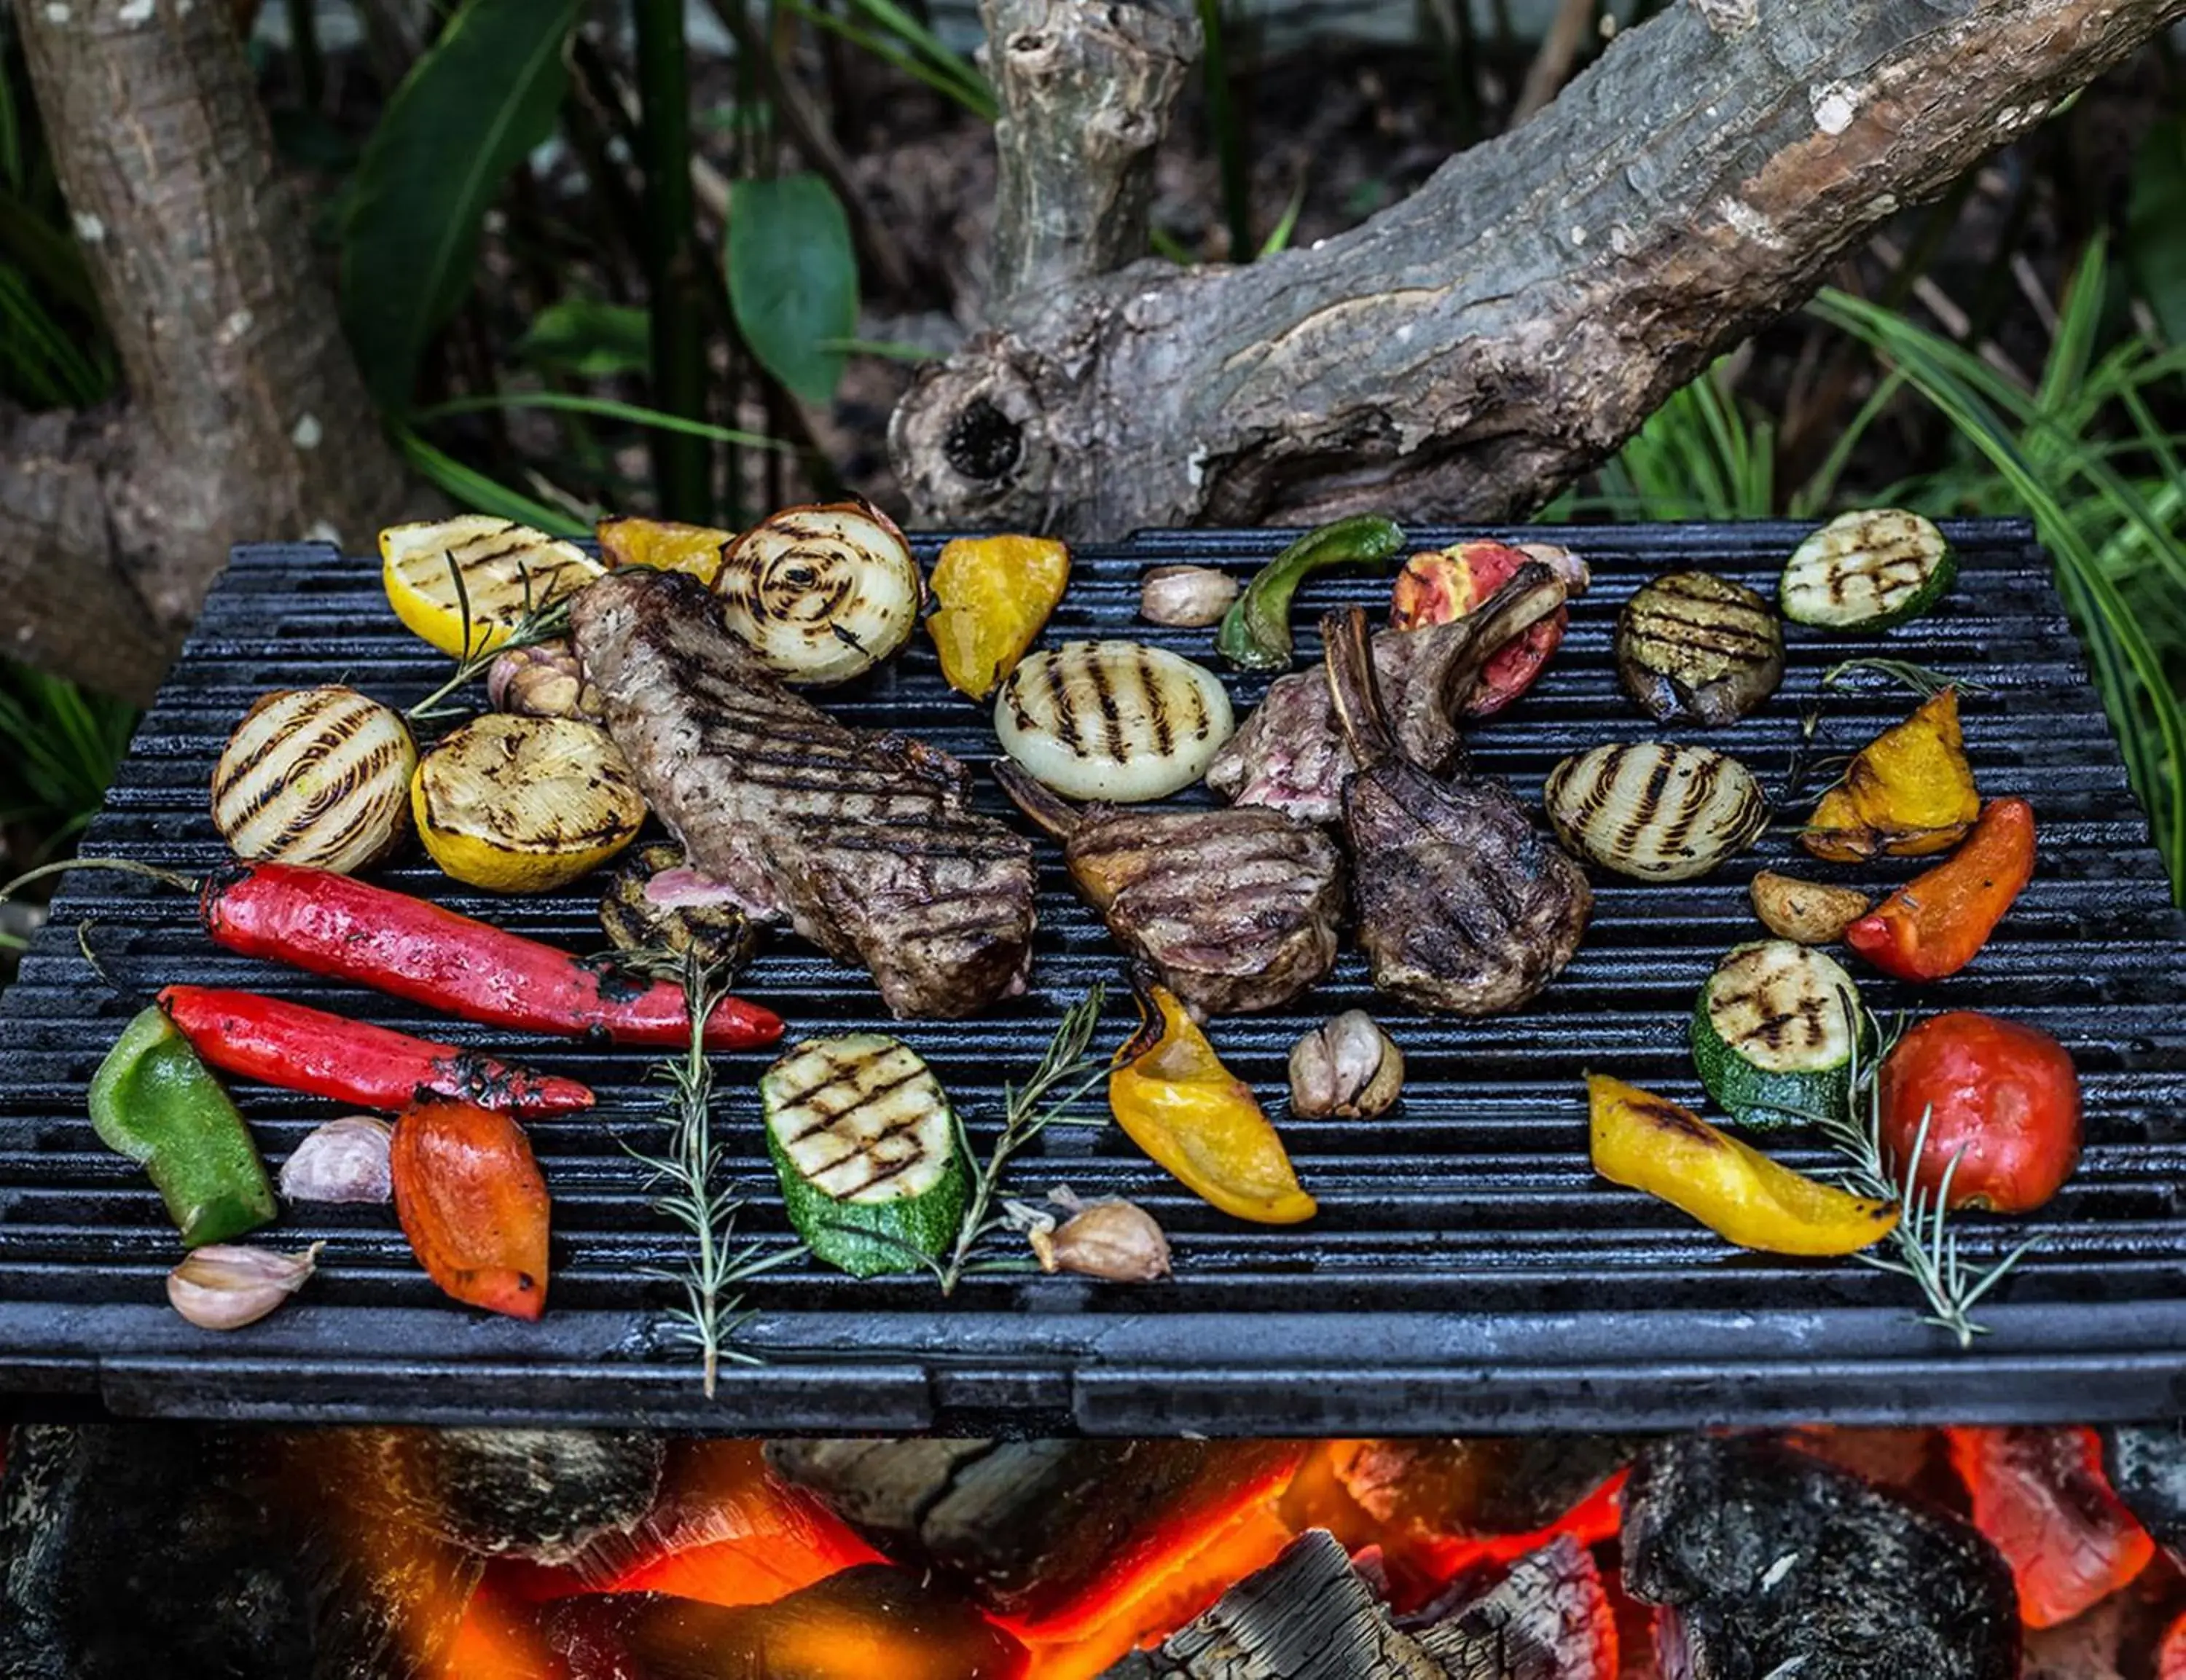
1909	792
664	544
1650	1144
1171	1093
995	594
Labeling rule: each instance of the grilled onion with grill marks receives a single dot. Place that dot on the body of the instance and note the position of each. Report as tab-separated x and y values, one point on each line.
1114	720
1694	646
821	594
315	776
1655	811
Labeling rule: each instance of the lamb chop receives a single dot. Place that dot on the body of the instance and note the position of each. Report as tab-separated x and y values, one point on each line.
864	843
1235	907
1464	907
1291	756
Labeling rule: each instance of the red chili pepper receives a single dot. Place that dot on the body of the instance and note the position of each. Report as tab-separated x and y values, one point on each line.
335	925
1934	924
473	1205
296	1048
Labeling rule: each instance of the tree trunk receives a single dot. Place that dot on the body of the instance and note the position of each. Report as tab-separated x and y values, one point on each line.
1468	352
242	415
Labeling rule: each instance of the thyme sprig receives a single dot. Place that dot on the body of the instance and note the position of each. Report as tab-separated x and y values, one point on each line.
535	624
1923	1247
696	1197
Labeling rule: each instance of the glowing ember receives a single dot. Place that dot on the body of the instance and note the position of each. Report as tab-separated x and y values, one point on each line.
2171	1663
2040	1497
497	1640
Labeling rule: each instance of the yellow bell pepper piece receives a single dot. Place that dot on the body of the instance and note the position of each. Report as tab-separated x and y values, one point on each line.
665	546
1647	1144
1908	792
995	594
1171	1093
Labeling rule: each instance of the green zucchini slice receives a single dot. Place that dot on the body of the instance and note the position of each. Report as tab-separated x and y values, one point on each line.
1775	1034
866	1145
1867	572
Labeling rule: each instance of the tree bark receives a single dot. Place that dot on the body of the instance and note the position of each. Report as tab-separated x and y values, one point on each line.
1468	352
243	416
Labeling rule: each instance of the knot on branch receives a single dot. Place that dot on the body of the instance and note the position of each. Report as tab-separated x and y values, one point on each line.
1728	17
969	440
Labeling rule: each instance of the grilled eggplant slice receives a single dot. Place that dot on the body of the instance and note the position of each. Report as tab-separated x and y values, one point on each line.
866	1147
1655	811
1112	721
1774	1035
713	928
1867	572
1694	646
315	776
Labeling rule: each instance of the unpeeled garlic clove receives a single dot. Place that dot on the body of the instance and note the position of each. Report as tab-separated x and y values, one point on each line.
224	1286
1114	1240
1189	597
1348	1066
542	680
345	1159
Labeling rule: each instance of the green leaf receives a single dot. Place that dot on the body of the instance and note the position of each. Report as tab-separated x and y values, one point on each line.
2155	226
588	339
476	491
463	119
793	279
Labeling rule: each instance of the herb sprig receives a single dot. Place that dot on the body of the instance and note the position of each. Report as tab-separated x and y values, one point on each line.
1923	680
535	624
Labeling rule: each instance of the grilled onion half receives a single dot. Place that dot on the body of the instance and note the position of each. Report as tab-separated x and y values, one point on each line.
1696	646
315	776
1115	720
524	804
821	594
1655	811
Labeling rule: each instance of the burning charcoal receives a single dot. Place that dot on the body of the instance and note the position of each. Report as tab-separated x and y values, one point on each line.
2146	1463
859	1624
1548	1619
1768	1561
1480	1485
2039	1496
1030	1527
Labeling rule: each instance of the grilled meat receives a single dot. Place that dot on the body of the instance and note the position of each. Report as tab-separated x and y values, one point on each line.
1291	757
1236	908
1463	906
864	843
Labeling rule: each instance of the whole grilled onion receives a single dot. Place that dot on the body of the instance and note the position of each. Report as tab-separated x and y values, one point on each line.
316	776
823	593
1655	811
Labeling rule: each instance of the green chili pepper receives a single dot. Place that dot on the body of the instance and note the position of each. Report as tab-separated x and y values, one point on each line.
1255	631
153	1101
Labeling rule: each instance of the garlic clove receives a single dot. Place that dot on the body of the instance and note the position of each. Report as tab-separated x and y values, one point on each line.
345	1159
1113	1240
1347	1067
541	680
224	1286
1189	597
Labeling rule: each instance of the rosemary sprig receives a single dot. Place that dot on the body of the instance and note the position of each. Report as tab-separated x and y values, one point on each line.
696	1199
1923	1247
1922	679
535	624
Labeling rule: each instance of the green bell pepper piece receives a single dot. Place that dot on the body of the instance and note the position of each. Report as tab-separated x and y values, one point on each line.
1255	631
153	1101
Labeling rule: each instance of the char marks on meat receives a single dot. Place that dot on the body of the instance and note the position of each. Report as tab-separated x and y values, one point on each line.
865	842
1464	906
1236	908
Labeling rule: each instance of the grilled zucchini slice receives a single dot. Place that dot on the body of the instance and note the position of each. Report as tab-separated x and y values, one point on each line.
1690	644
1775	1033
865	1145
1655	811
1867	572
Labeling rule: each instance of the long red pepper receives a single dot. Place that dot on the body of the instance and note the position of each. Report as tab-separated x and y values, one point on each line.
297	1048
336	925
1935	923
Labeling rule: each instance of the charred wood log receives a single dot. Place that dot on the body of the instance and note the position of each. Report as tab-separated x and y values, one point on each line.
1765	1560
1468	352
1489	1484
1549	1619
2146	1464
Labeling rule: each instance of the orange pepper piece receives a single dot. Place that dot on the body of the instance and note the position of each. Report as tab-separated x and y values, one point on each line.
473	1205
995	593
1935	923
665	546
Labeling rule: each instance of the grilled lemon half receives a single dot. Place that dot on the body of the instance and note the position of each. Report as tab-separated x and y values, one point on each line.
518	804
499	569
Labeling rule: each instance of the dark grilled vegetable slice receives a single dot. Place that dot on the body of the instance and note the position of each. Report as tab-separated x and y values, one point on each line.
678	916
1774	1034
1655	811
1692	645
866	1145
1867	572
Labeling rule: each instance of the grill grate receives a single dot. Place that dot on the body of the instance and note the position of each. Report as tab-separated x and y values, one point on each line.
1466	1269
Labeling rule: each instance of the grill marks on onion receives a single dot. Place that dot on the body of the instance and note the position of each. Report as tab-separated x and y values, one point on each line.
1114	720
315	776
1655	811
1693	646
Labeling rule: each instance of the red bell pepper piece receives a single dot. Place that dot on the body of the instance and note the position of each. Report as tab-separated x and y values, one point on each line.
1934	924
338	925
473	1205
296	1048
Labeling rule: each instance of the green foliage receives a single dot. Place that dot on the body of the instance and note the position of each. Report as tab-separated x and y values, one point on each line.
41	363
60	746
2155	226
481	494
464	118
588	339
1702	455
793	279
894	35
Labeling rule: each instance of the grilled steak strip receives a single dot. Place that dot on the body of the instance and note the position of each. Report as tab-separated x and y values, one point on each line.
864	843
1235	907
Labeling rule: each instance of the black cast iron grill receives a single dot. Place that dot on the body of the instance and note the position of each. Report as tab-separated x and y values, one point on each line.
1466	1270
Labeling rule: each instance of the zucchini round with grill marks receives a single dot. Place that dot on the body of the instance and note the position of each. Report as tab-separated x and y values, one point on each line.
866	1145
1690	645
1114	720
1867	572
315	776
1775	1033
1655	811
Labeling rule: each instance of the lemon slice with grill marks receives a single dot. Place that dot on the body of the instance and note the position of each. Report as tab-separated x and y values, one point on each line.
505	570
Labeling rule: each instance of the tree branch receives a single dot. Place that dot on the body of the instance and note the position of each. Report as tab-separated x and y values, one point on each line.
1470	351
244	416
